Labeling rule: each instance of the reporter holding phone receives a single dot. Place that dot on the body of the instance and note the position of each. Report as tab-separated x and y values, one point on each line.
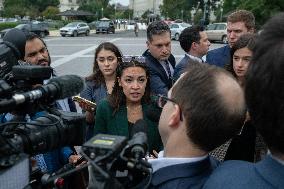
100	83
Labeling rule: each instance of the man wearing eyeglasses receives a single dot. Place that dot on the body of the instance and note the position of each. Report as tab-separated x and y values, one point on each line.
159	59
198	115
264	96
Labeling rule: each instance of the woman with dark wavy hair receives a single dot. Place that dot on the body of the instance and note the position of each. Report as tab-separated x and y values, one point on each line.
100	83
241	54
130	101
248	145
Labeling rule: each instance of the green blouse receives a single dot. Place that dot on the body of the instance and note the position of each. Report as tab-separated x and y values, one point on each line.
117	124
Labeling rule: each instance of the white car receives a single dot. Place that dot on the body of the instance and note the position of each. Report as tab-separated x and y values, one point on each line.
217	32
177	28
75	29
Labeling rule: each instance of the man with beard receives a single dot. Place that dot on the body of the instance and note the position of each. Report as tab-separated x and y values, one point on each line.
36	53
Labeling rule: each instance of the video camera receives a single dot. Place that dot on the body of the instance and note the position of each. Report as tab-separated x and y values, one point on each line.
22	97
116	163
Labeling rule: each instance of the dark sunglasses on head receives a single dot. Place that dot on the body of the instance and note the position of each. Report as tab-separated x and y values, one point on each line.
140	59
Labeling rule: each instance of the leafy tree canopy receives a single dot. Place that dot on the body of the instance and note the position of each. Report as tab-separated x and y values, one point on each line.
27	7
262	9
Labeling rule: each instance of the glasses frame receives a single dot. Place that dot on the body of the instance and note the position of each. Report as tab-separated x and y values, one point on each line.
159	96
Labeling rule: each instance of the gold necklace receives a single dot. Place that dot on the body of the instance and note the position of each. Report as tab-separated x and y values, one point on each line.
135	109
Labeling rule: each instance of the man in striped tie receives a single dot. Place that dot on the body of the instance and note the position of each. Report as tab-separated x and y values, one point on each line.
158	57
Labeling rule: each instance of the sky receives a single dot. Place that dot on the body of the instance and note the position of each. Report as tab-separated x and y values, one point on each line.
123	2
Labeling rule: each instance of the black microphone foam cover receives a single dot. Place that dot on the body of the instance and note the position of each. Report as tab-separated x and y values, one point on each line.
139	126
18	39
69	85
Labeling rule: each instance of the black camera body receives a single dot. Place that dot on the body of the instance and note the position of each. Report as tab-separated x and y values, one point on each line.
21	136
114	160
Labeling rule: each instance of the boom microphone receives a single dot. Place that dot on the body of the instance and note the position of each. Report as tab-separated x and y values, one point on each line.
57	88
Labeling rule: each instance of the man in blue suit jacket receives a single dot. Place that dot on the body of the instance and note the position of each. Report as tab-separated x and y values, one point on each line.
194	41
238	23
188	137
160	61
264	97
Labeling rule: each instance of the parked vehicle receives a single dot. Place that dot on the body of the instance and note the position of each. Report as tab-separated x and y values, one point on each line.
39	28
74	29
105	27
93	25
217	32
176	29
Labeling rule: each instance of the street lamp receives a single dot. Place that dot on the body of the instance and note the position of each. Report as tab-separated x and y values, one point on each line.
182	15
204	15
221	15
193	11
115	13
102	12
221	9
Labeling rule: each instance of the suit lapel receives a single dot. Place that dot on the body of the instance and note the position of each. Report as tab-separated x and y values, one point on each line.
159	68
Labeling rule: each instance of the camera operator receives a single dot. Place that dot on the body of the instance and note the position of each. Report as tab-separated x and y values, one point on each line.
204	108
36	53
32	123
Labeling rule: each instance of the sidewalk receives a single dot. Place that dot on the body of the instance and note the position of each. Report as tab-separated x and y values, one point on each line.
55	33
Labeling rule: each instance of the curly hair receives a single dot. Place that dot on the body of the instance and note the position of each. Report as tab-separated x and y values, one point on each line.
117	97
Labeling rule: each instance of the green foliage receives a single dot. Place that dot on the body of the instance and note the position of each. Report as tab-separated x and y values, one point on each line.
178	9
101	8
145	14
127	14
262	9
6	25
97	7
30	8
11	11
51	13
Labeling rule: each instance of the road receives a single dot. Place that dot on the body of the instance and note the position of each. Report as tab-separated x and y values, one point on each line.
74	55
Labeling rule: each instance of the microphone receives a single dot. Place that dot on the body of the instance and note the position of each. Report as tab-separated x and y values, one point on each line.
12	49
57	88
32	72
16	40
138	144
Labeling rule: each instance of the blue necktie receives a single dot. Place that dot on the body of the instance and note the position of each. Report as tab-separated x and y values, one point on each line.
168	69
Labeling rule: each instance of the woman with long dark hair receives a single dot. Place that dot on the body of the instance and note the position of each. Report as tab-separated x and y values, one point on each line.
100	83
248	145
129	101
